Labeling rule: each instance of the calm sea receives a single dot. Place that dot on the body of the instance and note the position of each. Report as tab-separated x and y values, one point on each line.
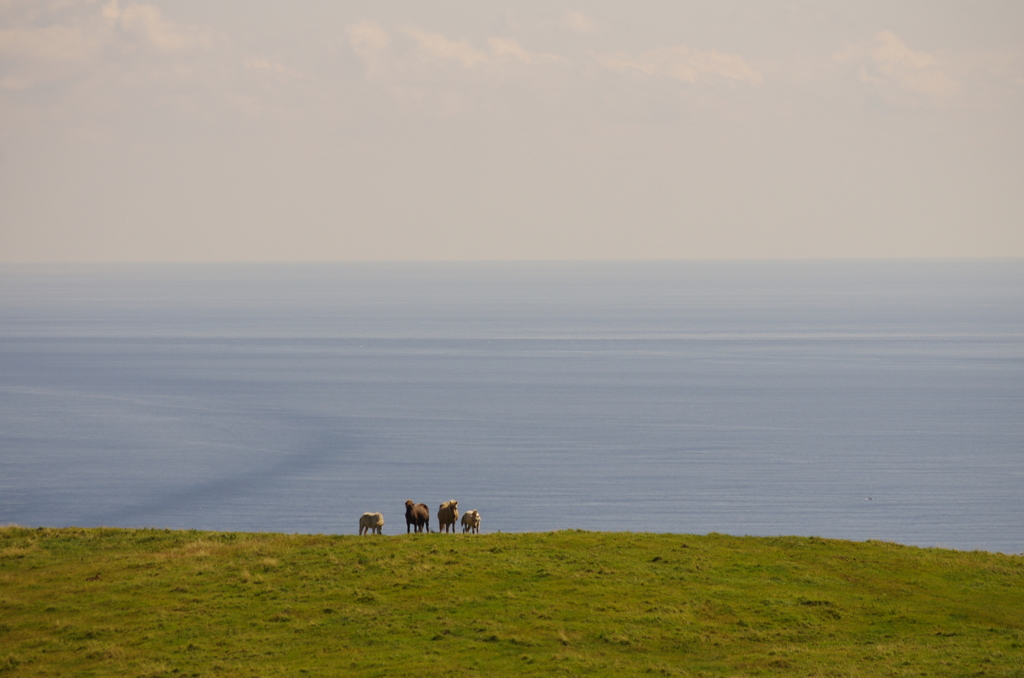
858	400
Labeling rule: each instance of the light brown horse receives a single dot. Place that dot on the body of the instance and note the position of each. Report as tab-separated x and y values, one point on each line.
447	515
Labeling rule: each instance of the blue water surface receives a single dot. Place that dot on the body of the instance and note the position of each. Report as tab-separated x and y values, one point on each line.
850	399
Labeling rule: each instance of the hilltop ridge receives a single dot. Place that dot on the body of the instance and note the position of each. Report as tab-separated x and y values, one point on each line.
188	603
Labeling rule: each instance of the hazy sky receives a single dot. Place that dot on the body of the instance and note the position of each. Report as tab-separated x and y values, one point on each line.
247	130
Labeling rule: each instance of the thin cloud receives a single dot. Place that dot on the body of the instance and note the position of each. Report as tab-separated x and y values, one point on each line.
76	38
369	42
437	46
502	50
578	22
505	49
428	70
679	62
130	58
33	54
265	65
148	24
431	51
49	44
886	64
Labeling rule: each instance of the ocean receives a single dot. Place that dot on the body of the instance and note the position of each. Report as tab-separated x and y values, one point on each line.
845	399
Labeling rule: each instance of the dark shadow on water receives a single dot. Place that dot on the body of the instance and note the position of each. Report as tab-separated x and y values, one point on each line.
318	451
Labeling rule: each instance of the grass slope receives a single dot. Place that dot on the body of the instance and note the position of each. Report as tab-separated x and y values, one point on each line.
172	603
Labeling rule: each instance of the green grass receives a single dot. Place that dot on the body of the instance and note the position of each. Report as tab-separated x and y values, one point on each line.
172	603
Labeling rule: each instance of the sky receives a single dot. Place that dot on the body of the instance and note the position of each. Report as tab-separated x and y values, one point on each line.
250	130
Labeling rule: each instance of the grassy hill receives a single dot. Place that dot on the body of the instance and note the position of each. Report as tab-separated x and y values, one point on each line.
170	603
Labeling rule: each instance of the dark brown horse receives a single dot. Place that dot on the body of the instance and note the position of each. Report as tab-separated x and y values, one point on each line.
416	515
